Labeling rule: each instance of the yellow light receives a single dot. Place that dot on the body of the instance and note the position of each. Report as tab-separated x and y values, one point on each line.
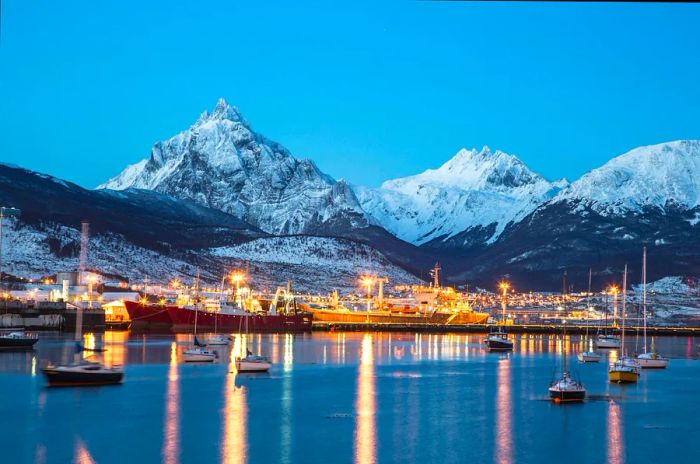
237	277
144	300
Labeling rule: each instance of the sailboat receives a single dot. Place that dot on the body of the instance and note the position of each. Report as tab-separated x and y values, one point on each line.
17	341
648	359
498	340
219	340
624	369
199	353
589	356
566	389
252	363
606	340
82	372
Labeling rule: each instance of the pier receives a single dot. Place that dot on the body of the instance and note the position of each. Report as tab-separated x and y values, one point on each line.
482	328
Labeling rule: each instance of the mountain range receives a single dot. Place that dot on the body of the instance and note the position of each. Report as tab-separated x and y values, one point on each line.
219	185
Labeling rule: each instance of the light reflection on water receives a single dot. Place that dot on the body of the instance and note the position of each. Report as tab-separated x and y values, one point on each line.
365	433
345	397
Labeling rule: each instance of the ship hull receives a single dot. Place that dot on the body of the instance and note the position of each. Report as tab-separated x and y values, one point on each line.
497	345
183	319
567	396
623	377
57	378
17	344
148	316
387	317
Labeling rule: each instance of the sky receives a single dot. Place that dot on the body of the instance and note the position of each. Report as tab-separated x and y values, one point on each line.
369	91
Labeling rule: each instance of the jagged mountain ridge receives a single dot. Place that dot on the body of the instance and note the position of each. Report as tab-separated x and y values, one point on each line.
222	163
476	190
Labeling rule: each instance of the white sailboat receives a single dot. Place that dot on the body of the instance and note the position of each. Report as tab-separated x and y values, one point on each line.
606	340
199	353
589	356
566	389
648	359
252	363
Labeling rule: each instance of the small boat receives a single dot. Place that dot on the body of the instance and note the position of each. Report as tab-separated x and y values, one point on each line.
498	341
648	359
567	390
625	369
589	357
199	355
607	341
219	340
652	361
83	374
17	341
253	363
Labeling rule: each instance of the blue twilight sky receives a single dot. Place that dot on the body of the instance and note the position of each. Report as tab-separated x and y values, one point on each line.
369	91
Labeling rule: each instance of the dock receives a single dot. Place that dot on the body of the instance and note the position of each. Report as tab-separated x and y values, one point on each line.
482	328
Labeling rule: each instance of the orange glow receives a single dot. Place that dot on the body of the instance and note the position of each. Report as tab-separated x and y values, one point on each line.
504	434
615	443
237	277
365	407
171	439
234	447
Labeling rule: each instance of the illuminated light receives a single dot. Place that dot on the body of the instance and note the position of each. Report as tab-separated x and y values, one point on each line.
144	300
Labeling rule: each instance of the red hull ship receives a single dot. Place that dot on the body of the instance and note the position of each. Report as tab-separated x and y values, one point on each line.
183	318
148	316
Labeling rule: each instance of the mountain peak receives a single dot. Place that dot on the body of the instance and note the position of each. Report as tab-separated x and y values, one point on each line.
655	175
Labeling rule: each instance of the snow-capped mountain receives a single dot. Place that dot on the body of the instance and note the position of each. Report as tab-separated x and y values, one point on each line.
660	176
222	163
136	233
476	190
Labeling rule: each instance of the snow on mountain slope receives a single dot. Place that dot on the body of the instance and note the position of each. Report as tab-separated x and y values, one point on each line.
659	176
33	252
316	263
222	163
474	188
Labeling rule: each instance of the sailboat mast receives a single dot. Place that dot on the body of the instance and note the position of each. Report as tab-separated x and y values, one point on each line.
624	312
644	294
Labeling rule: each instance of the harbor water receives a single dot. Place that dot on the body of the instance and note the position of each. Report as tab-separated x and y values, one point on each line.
348	398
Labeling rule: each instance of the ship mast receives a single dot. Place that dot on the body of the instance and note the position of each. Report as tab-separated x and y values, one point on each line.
624	311
644	294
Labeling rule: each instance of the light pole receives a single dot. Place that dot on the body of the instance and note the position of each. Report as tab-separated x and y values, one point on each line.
368	281
504	287
236	278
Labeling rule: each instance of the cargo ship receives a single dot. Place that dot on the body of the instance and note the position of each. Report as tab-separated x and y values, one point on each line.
428	305
282	315
145	315
237	320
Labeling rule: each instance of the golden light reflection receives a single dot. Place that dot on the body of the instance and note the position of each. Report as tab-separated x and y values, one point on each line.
286	426
365	407
171	437
82	455
234	447
114	342
504	444
615	443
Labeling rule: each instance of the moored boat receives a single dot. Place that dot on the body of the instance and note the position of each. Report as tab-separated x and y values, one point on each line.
648	359
253	363
498	341
567	390
84	373
17	341
624	369
199	355
589	356
607	341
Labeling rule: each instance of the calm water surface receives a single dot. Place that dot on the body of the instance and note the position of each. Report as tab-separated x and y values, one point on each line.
347	397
